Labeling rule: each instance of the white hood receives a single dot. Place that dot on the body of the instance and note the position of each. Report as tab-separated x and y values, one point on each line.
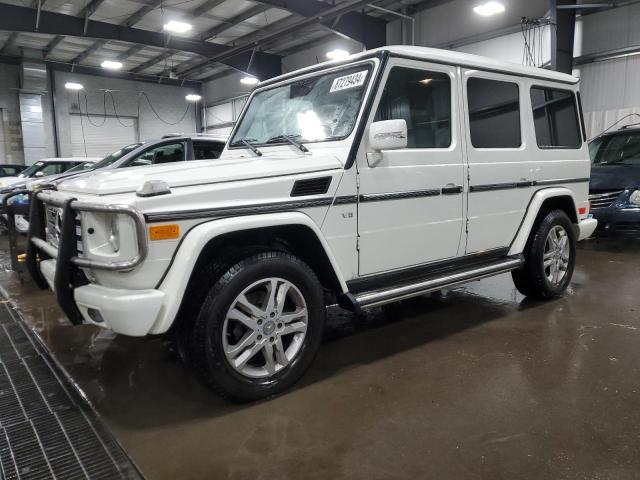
181	174
8	181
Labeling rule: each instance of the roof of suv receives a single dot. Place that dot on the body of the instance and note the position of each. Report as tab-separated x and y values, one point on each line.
213	137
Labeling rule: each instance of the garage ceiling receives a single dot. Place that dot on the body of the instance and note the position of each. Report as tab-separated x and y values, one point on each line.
225	33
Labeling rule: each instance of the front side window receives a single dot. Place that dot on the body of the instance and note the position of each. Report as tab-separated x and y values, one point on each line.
207	150
319	108
618	149
423	99
494	113
169	153
54	168
555	116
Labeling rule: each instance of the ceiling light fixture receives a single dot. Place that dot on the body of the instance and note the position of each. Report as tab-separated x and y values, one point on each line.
111	65
337	54
177	27
249	80
73	86
192	97
425	81
489	8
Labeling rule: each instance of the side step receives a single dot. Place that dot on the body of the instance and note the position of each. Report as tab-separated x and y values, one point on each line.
451	279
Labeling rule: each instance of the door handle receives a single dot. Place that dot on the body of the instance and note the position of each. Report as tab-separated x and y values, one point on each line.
451	189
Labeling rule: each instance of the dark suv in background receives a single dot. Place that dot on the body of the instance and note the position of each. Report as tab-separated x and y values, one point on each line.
614	190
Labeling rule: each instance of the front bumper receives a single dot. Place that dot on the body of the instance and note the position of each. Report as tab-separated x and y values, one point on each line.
128	312
619	222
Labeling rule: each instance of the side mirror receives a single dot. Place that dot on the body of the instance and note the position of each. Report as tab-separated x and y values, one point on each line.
39	174
388	135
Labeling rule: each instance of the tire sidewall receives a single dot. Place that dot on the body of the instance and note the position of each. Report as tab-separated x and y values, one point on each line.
220	299
554	218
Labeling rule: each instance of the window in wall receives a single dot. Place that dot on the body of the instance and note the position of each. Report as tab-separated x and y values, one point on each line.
494	113
556	118
423	99
174	152
207	150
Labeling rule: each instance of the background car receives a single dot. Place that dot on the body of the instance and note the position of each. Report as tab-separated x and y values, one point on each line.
10	169
614	189
44	168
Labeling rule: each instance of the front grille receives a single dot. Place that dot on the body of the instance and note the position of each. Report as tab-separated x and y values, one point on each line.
54	223
604	199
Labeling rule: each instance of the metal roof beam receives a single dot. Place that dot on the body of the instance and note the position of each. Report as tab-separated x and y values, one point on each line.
139	14
205	7
9	43
368	30
341	10
22	19
89	51
232	22
153	61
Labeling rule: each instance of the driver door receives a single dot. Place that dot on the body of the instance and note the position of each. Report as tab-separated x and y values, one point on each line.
411	200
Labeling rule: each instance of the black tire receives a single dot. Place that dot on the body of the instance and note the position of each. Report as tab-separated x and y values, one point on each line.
205	342
532	280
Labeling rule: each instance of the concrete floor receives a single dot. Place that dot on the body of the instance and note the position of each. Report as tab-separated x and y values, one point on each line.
478	384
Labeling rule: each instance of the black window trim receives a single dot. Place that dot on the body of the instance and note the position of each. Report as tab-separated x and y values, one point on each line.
579	122
452	84
512	80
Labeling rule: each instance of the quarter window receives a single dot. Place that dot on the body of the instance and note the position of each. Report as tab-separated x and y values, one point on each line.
207	150
494	113
556	118
423	99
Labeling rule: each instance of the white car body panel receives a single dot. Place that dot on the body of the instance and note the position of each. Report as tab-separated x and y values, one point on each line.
369	222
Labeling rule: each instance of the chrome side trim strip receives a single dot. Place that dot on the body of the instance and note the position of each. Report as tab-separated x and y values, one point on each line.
378	197
394	294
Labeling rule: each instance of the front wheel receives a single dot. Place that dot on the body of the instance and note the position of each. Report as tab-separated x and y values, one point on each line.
260	326
550	257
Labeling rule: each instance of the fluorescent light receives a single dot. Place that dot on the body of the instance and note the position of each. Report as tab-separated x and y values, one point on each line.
192	97
489	8
177	27
35	109
249	80
337	54
111	65
73	86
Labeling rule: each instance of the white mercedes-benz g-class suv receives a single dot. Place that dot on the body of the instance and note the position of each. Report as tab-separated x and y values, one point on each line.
380	177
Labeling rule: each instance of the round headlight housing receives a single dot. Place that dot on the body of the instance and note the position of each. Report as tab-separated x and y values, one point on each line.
634	198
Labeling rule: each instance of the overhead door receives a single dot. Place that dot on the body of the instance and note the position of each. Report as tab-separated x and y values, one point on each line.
97	139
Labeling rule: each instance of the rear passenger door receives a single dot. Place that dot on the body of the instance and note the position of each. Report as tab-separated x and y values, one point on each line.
410	209
500	165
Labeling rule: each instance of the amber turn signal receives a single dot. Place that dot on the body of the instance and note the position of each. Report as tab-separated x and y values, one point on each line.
164	232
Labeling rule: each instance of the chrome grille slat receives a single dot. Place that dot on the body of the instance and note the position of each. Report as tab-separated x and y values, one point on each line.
604	199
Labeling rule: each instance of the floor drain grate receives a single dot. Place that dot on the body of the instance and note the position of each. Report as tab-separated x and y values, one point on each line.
47	429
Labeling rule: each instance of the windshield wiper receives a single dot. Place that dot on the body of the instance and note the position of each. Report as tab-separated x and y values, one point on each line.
290	139
245	142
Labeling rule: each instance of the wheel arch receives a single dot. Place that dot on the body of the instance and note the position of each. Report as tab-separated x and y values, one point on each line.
294	232
542	202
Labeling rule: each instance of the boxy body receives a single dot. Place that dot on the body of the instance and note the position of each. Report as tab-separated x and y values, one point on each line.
411	169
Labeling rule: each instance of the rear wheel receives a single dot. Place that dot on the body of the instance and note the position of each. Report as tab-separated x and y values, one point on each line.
260	326
549	258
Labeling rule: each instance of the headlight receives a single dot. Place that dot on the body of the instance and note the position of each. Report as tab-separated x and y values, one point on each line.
114	234
634	198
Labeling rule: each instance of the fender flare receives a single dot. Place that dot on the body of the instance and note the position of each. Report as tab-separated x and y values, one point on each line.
177	278
535	204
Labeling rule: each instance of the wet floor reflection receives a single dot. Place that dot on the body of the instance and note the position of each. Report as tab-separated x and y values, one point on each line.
477	382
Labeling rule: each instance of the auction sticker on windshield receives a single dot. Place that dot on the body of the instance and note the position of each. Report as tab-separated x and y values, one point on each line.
349	81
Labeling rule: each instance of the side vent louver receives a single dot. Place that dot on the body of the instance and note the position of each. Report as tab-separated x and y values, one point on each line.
313	186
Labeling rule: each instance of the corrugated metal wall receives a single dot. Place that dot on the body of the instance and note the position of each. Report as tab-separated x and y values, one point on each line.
610	88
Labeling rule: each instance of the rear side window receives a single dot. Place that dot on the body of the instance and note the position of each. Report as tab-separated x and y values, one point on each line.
494	113
207	150
423	99
555	116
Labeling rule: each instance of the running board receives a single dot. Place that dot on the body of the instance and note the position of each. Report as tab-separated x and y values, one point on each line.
401	292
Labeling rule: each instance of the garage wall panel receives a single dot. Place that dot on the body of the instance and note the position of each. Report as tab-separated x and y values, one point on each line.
89	139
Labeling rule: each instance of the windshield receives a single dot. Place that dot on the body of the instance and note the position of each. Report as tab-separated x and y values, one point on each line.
115	156
618	149
30	171
80	167
319	108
